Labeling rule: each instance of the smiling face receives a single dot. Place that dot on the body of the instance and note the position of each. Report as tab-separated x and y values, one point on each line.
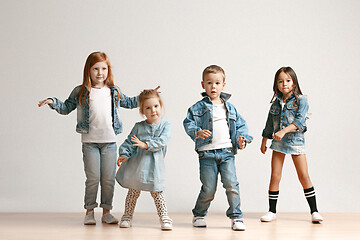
99	74
285	84
151	108
213	84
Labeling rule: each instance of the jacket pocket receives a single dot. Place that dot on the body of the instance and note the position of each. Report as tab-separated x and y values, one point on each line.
275	110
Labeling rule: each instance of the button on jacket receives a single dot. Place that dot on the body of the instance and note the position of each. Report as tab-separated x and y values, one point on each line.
83	111
200	117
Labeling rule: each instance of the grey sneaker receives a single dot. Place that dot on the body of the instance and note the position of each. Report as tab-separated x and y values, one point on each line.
89	219
166	223
238	224
109	219
199	222
125	222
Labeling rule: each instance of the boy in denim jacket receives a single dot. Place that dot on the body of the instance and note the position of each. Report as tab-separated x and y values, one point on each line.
218	131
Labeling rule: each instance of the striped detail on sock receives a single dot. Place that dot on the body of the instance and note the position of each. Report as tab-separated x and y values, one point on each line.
273	195
310	192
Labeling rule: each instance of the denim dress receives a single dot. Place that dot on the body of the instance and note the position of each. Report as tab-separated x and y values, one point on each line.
145	168
280	117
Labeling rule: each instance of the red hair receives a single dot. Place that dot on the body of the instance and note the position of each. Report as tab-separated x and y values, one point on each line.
85	88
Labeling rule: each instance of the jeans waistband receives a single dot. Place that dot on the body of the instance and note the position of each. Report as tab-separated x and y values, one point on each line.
216	150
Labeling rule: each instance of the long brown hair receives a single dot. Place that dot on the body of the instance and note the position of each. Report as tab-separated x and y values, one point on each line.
297	91
85	88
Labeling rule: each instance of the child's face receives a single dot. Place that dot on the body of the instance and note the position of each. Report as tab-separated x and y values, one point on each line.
98	74
213	84
152	110
285	84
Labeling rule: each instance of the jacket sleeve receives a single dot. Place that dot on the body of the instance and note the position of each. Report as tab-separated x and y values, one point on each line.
157	143
300	116
127	102
269	127
242	129
127	149
66	107
190	125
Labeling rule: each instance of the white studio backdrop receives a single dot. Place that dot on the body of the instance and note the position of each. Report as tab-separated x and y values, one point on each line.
44	45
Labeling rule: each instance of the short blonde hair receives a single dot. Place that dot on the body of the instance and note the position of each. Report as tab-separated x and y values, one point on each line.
146	94
213	69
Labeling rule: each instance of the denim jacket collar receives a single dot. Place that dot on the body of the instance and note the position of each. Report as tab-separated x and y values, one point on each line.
223	96
280	97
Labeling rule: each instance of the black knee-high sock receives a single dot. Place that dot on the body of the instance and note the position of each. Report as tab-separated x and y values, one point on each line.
273	197
310	197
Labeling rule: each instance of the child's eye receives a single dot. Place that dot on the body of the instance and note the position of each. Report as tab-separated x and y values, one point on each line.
156	106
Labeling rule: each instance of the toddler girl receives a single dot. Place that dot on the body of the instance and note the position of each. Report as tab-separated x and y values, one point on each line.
286	125
141	159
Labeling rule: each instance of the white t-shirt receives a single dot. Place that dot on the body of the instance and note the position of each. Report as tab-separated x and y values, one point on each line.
220	133
101	129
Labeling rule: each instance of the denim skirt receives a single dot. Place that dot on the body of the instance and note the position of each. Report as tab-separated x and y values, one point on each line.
291	143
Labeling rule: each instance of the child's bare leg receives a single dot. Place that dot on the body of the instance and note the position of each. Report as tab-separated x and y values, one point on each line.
302	170
277	162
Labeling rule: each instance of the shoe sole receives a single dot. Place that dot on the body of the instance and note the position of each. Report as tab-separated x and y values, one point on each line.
166	229
201	226
267	220
91	223
317	221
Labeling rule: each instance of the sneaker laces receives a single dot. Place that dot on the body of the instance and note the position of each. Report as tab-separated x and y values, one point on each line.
126	218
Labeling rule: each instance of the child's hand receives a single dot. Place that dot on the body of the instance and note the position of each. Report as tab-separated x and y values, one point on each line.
120	160
279	135
46	101
157	89
241	142
263	148
138	143
203	134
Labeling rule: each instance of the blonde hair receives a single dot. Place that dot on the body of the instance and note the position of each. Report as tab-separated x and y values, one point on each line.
85	88
213	69
147	94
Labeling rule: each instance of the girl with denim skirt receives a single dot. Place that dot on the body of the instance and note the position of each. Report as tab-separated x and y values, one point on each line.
97	101
286	125
141	159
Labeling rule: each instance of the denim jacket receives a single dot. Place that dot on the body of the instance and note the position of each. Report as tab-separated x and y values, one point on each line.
199	117
292	113
83	111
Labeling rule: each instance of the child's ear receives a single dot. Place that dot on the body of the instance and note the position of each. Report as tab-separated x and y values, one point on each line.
202	84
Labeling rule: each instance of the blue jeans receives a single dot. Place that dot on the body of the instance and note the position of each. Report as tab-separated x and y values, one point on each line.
99	165
213	162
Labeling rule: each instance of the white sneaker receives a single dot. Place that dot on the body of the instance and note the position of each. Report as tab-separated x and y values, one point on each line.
125	222
268	217
199	222
238	224
166	223
89	219
316	217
